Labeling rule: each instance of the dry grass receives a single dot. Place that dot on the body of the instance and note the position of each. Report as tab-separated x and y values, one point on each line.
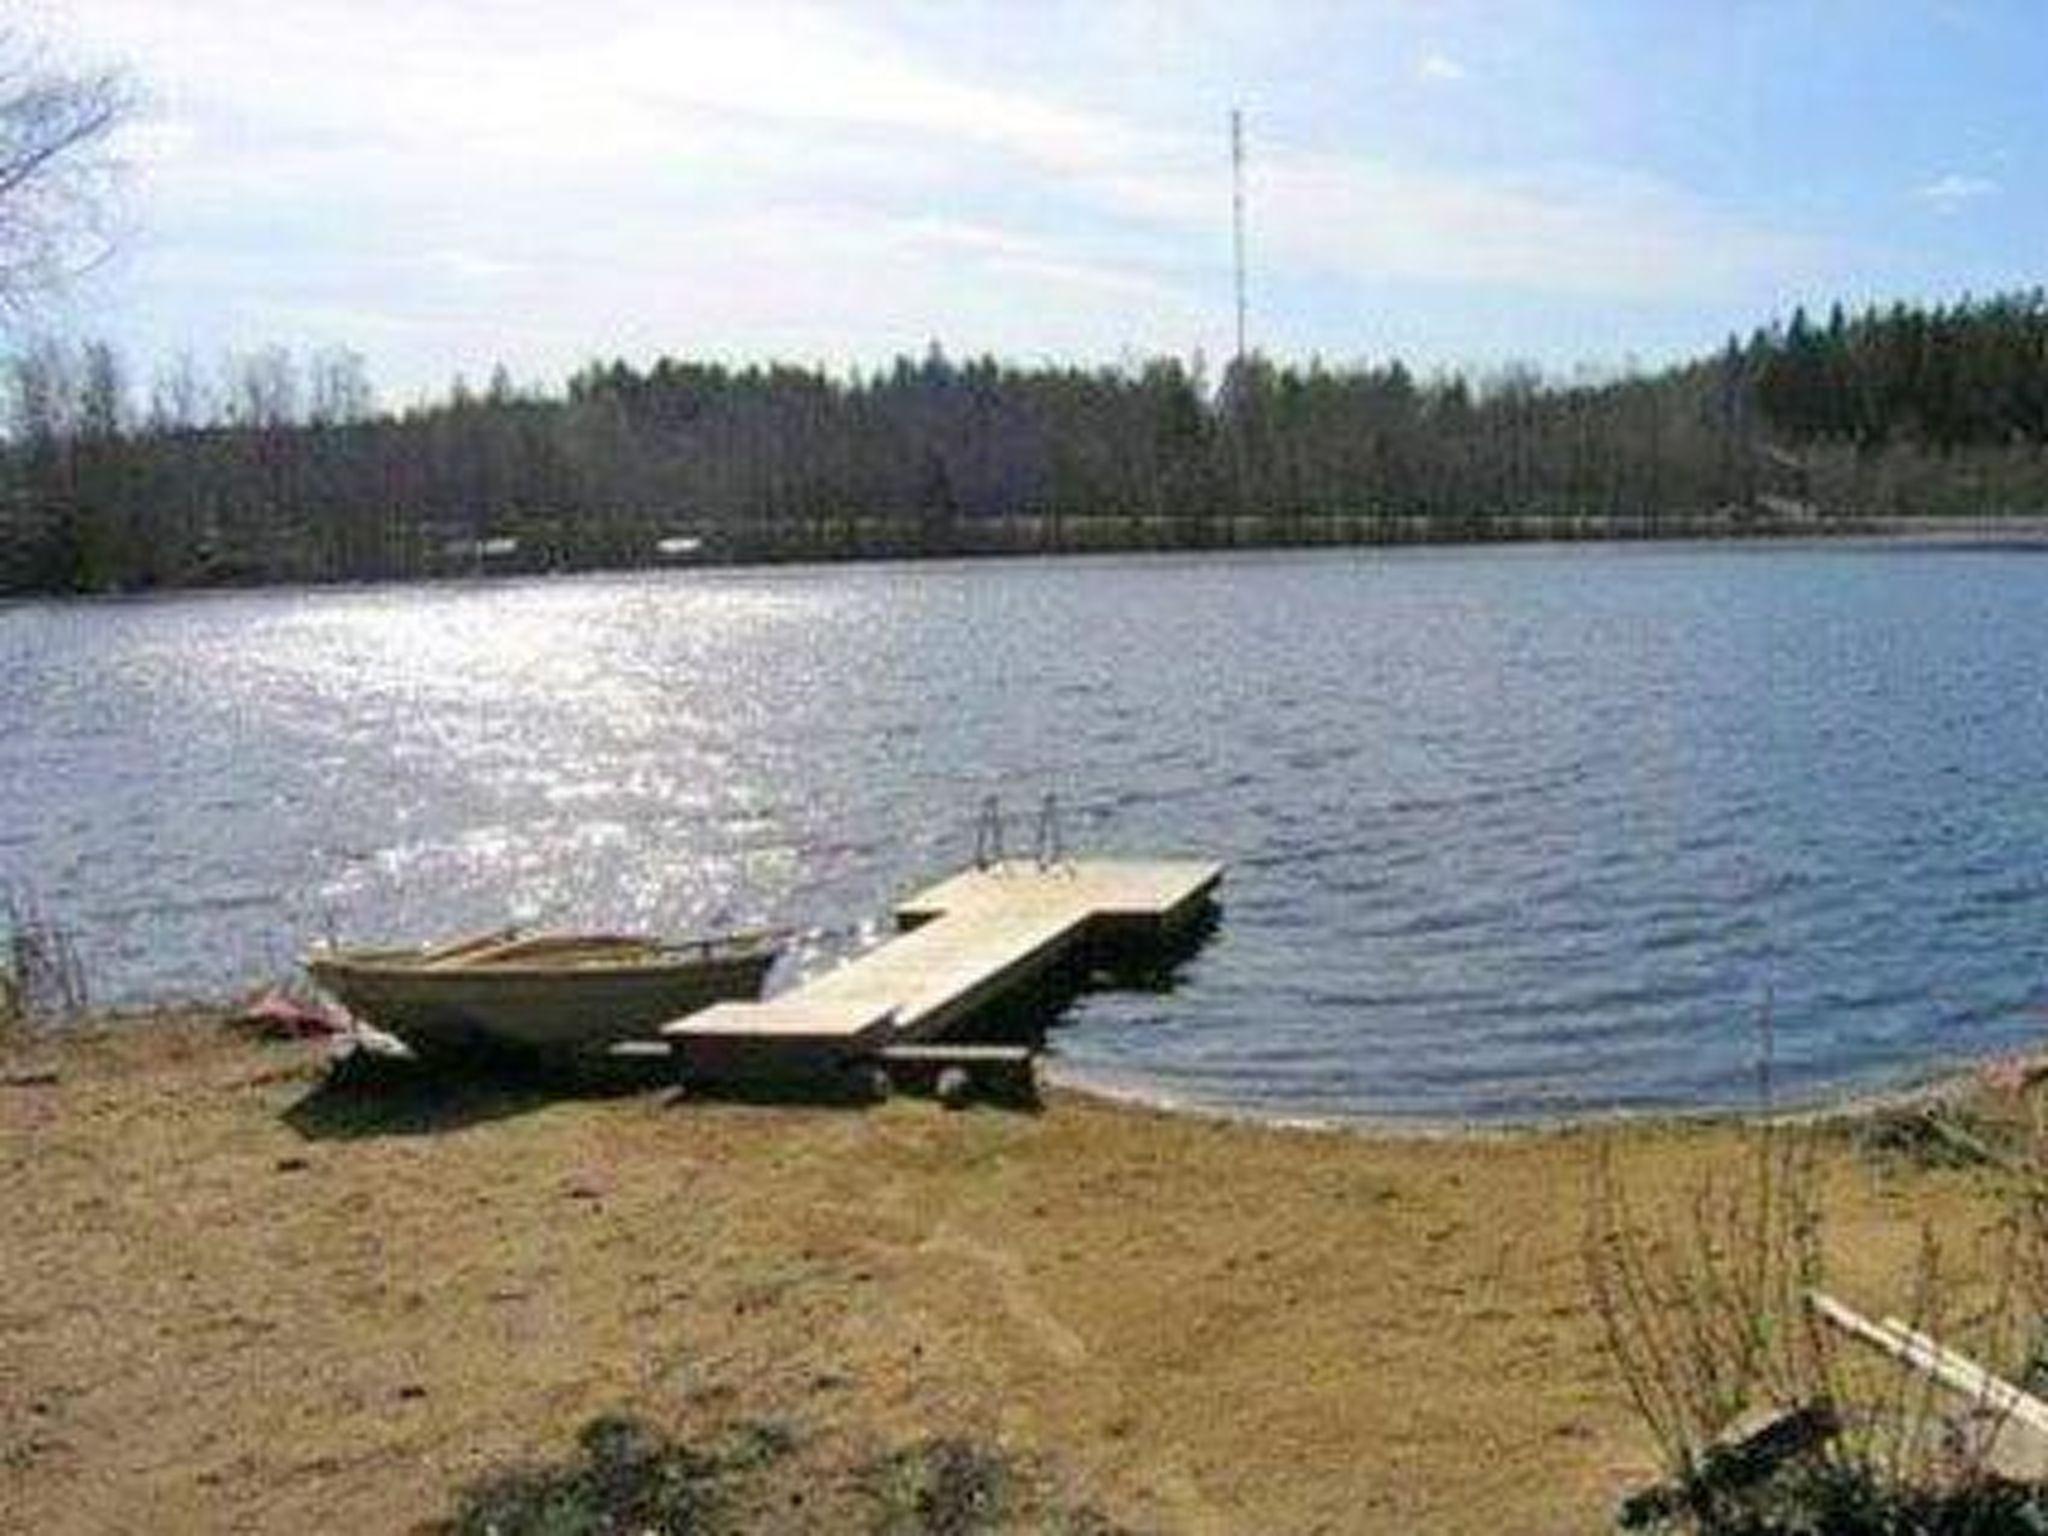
232	1298
41	976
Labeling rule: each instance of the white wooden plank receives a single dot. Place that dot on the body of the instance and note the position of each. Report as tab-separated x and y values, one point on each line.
1957	1372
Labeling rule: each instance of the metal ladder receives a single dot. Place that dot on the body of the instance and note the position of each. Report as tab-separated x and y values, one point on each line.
1049	849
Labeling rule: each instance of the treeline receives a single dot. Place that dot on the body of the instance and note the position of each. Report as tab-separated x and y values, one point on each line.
277	468
1974	374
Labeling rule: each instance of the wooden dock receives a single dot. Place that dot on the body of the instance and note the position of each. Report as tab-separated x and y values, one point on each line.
967	943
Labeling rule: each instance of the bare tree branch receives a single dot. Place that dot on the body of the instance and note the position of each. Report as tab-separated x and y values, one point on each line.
57	169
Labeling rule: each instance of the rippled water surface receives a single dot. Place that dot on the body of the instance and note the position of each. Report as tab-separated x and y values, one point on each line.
1509	832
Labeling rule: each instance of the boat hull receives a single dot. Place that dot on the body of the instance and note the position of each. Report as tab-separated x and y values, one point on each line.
535	1008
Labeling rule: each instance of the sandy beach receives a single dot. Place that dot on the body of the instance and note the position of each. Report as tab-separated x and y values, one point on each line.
236	1295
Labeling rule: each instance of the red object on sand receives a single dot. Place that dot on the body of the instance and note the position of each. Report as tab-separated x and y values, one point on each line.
283	1017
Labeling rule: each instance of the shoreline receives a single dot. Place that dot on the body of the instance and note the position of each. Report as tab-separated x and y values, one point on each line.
1944	1085
1932	1083
2015	530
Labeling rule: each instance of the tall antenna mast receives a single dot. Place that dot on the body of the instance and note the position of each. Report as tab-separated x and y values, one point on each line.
1237	217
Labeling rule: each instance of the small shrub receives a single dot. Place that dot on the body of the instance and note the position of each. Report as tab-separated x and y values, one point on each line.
944	1486
1705	1315
1706	1318
1928	1137
949	1485
1836	1498
628	1478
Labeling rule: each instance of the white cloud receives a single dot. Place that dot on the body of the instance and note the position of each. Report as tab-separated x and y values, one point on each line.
1953	190
998	249
464	265
1560	231
467	180
547	86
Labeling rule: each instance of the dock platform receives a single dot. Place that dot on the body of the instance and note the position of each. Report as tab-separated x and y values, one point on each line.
966	943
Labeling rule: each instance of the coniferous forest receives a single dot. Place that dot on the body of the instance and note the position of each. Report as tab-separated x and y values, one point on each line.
275	468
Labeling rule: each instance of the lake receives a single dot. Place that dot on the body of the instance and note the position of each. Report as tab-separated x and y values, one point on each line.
1511	832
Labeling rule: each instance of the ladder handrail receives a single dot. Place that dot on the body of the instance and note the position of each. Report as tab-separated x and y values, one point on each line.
1050	847
988	833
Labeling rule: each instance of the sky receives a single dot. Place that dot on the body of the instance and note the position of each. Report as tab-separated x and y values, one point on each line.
447	185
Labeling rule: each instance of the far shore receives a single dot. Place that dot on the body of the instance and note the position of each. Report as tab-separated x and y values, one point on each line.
237	1291
1117	535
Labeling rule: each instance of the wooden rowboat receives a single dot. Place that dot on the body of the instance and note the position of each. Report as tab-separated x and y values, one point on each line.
540	992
